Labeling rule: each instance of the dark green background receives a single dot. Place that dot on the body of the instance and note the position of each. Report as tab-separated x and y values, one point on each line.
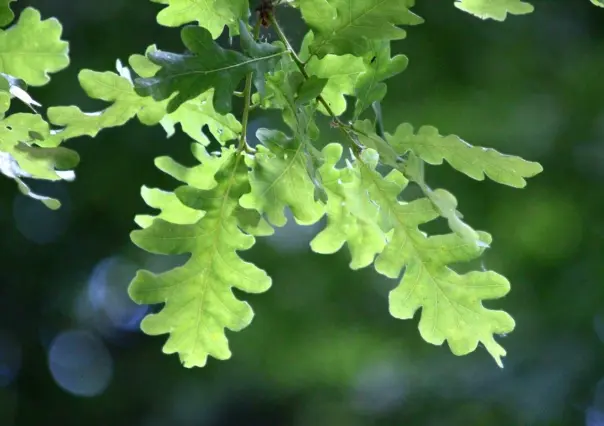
323	349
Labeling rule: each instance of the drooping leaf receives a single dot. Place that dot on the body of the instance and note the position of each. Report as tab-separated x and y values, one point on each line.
474	161
6	14
348	26
213	15
379	66
208	66
280	179
352	217
451	303
32	48
494	9
199	303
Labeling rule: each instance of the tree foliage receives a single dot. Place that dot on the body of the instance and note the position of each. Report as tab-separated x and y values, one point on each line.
240	191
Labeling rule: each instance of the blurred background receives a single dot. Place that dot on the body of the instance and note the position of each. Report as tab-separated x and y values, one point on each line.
322	349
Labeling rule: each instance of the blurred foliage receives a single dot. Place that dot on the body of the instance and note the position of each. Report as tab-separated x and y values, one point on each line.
323	348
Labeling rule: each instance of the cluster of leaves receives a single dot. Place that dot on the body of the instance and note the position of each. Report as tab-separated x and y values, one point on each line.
240	192
30	50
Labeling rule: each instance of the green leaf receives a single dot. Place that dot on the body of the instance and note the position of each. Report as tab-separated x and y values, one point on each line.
474	161
349	26
598	2
126	104
172	210
494	9
365	132
341	73
193	115
199	303
208	66
6	14
109	87
210	14
310	89
451	303
32	48
352	217
21	157
379	66
280	179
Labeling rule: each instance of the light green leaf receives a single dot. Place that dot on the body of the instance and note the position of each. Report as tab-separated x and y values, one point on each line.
352	217
32	48
451	303
172	210
210	14
208	66
598	2
365	132
341	73
444	202
474	161
494	9
349	26
6	14
21	157
279	179
379	66
109	87
199	303
193	115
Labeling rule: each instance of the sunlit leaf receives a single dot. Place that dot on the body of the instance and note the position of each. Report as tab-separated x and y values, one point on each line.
348	26
198	298
494	9
32	48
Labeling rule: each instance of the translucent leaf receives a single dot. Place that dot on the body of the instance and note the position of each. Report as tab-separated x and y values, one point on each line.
210	14
494	9
32	48
598	2
379	66
352	217
199	112
198	298
6	14
451	303
341	73
365	132
172	210
473	161
21	157
280	179
208	66
109	87
127	104
348	26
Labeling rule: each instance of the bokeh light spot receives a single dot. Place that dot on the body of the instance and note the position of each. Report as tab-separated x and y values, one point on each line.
80	363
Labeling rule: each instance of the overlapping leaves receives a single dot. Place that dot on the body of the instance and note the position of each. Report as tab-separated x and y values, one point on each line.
230	197
22	156
208	66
